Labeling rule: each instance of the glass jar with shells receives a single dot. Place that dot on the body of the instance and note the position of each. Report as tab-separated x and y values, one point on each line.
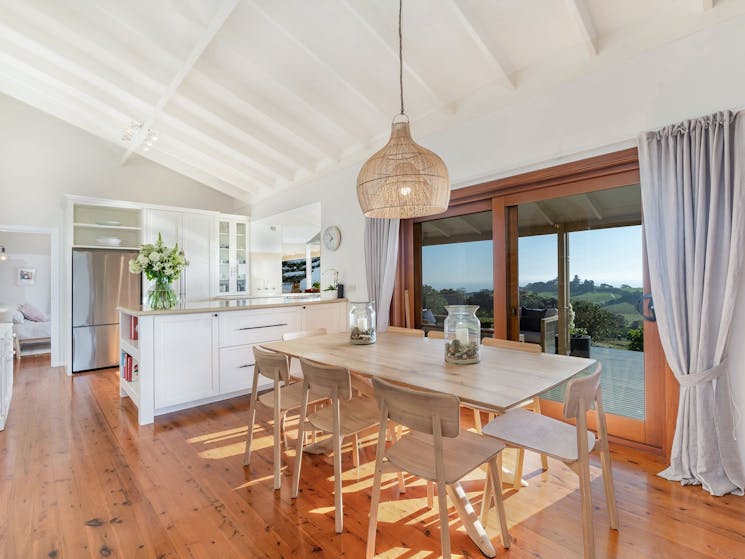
462	334
362	322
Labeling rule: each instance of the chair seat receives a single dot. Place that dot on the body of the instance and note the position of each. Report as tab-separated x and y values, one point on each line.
291	396
539	433
356	414
414	453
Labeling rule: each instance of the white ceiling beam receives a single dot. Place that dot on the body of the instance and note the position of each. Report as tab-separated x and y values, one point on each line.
593	207
583	19
215	141
212	29
392	52
433	225
474	26
464	219
543	214
707	5
187	169
361	95
265	111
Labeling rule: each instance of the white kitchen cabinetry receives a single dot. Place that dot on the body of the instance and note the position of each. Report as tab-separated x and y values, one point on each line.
232	242
185	358
194	232
240	331
6	371
331	316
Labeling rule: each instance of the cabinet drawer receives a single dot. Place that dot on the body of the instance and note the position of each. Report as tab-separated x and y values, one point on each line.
237	369
252	327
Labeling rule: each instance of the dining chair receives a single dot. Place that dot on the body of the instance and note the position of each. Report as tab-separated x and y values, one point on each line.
346	416
434	449
533	404
282	398
416	332
571	444
295	370
436	334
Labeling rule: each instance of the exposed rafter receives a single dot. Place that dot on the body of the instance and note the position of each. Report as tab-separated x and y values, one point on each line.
214	26
320	61
593	207
464	219
475	28
583	19
543	214
707	4
389	49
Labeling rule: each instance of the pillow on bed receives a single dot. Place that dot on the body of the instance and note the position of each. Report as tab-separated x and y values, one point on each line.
18	317
33	314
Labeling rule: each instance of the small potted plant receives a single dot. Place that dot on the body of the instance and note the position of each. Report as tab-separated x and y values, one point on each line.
330	292
579	342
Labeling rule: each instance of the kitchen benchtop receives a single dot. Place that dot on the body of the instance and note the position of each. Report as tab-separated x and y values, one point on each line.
220	305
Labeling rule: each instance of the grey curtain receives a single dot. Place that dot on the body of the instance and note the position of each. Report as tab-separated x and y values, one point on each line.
381	255
692	195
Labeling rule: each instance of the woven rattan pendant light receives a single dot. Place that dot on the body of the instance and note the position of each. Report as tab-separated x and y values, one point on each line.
403	179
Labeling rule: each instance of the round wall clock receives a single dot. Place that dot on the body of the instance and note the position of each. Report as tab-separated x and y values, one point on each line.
332	237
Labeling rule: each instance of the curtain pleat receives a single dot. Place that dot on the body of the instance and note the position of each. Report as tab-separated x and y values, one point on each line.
381	255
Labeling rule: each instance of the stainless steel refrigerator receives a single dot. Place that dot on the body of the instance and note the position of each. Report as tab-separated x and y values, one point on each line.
101	282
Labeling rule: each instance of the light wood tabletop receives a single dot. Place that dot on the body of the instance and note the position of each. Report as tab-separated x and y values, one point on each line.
503	379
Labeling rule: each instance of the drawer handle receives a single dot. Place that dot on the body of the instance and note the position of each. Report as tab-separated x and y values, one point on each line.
258	327
247	365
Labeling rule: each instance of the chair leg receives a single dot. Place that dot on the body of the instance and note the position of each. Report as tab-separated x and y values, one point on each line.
610	494
493	473
250	434
586	493
277	442
486	500
299	450
284	430
375	500
442	505
518	476
477	420
356	453
430	495
338	504
393	432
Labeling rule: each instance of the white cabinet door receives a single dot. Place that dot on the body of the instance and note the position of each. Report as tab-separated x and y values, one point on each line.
331	316
233	243
257	326
237	369
185	358
165	222
196	239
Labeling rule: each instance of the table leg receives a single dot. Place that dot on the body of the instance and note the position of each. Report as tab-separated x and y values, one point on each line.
470	519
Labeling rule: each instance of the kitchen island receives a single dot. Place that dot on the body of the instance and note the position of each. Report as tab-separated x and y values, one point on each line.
197	353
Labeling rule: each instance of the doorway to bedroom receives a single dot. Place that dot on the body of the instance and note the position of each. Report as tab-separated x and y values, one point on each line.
27	299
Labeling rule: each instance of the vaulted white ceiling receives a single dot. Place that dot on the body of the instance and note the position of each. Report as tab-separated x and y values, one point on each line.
253	96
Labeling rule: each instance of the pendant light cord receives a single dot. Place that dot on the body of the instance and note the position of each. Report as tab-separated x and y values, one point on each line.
400	55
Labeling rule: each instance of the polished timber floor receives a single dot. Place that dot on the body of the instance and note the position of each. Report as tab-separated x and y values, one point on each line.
79	478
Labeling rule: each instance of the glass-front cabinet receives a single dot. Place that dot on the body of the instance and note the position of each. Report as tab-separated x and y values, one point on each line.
232	236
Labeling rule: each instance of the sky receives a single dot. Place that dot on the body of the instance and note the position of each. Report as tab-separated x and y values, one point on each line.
611	256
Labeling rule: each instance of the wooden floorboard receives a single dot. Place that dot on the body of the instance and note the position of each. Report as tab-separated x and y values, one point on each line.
79	478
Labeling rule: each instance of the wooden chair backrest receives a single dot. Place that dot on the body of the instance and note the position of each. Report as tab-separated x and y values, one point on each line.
581	390
510	344
416	409
286	337
326	380
436	334
406	331
271	364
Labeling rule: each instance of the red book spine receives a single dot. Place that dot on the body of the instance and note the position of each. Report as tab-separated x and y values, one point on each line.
133	323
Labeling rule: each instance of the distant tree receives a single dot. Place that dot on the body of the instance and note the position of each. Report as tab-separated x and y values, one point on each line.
636	339
433	300
533	300
599	323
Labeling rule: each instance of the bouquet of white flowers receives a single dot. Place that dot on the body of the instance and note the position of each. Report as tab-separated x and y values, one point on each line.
163	265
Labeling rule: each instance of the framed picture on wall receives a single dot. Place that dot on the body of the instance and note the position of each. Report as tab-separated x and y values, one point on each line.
26	276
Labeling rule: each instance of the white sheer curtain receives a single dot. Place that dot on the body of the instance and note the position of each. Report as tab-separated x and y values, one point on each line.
381	256
693	182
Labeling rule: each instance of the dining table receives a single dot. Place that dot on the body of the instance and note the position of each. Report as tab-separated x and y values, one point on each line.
502	379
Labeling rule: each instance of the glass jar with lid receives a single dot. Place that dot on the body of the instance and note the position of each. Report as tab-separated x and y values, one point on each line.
362	322
462	334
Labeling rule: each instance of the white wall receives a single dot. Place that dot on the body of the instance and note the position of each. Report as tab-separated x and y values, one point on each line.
43	158
598	112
